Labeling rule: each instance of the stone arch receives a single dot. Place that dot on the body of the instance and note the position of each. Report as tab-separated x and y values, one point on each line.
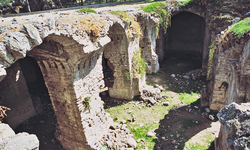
24	91
57	57
148	44
186	34
117	57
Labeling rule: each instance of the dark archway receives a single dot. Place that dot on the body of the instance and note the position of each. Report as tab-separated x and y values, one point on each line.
186	34
24	91
43	125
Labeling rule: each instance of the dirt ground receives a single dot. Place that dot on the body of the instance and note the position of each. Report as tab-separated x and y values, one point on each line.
184	123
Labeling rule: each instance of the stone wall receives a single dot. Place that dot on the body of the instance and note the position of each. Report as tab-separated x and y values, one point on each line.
228	78
234	132
14	94
225	77
69	50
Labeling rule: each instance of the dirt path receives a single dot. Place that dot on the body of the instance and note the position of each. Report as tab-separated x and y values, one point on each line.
185	125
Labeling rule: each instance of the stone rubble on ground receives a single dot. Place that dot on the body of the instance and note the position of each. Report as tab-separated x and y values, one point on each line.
11	141
150	134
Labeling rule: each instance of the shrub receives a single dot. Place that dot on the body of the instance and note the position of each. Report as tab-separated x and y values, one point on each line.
86	102
87	10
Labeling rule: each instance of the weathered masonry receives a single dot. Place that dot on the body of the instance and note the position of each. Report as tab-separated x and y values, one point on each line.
65	60
56	59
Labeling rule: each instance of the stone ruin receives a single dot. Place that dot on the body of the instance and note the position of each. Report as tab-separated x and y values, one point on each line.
67	59
234	132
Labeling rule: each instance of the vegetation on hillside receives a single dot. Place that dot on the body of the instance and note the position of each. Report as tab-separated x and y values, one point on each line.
129	19
87	10
160	9
241	28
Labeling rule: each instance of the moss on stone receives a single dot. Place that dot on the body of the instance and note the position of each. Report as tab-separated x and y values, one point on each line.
212	48
130	20
139	65
160	9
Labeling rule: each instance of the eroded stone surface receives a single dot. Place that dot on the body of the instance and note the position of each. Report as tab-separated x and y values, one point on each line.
10	140
235	129
69	50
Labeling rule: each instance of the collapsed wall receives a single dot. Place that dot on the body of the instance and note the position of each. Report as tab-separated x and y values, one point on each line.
69	51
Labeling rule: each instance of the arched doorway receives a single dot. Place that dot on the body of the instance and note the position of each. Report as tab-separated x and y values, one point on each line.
186	34
25	92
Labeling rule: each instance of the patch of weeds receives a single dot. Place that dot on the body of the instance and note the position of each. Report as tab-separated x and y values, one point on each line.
130	19
189	123
141	133
139	65
106	147
87	10
189	98
241	28
183	3
160	9
91	25
212	49
126	74
86	102
145	116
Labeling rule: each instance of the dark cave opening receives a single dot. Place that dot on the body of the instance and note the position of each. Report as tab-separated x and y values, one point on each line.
186	34
108	72
43	124
183	49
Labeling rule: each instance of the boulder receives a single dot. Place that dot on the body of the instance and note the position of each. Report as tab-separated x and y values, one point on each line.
132	143
235	129
11	141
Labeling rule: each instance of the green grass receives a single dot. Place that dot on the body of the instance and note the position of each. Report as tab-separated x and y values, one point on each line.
87	10
141	133
129	19
208	139
241	28
212	49
189	98
183	3
160	9
5	1
156	113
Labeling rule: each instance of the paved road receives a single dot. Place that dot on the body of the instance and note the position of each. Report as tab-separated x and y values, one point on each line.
98	7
